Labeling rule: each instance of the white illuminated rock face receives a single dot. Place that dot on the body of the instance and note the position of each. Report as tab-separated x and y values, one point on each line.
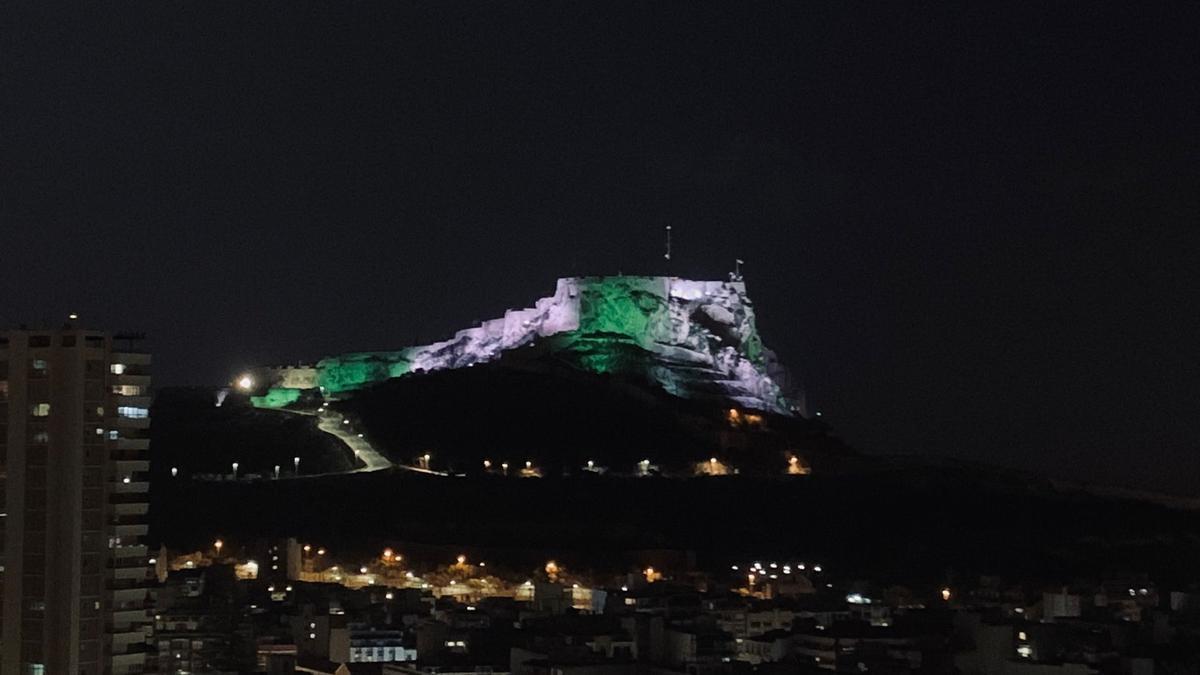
697	339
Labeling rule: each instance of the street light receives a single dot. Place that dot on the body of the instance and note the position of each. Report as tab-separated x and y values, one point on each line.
245	382
276	472
174	471
217	545
235	466
296	463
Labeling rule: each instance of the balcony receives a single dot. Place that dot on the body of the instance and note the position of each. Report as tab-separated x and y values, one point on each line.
137	551
128	617
122	596
115	585
132	487
131	358
140	573
127	664
133	443
129	642
139	530
131	422
132	378
139	401
128	467
135	509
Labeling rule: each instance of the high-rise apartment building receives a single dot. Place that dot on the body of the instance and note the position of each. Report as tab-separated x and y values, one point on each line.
75	579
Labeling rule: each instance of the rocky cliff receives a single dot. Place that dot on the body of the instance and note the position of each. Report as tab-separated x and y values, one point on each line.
695	339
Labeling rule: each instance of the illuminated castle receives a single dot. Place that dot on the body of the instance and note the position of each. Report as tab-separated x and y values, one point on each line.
695	339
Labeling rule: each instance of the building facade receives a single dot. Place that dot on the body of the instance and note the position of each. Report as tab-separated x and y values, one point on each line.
76	578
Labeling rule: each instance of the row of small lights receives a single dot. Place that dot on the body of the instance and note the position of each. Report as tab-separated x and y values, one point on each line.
644	465
757	570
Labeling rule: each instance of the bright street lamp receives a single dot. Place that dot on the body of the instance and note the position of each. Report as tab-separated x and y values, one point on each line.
245	382
296	463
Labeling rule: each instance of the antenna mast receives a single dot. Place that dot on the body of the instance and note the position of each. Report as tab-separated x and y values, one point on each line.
667	256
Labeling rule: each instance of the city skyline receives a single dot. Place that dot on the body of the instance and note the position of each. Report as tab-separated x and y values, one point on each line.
599	338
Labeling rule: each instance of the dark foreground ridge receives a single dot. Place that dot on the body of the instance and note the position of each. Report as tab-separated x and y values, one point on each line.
874	516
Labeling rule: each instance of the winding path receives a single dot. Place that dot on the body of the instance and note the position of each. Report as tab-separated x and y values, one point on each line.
372	459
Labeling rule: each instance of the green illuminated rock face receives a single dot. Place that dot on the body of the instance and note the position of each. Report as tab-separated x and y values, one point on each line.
628	308
348	372
695	339
276	397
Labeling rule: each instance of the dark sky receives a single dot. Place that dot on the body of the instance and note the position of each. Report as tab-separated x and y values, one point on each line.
972	232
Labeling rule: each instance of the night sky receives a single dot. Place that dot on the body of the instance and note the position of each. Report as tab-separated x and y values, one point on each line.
972	233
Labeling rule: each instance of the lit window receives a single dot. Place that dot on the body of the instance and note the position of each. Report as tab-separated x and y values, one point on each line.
1021	636
133	412
117	368
113	434
41	437
40	409
39	365
127	390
